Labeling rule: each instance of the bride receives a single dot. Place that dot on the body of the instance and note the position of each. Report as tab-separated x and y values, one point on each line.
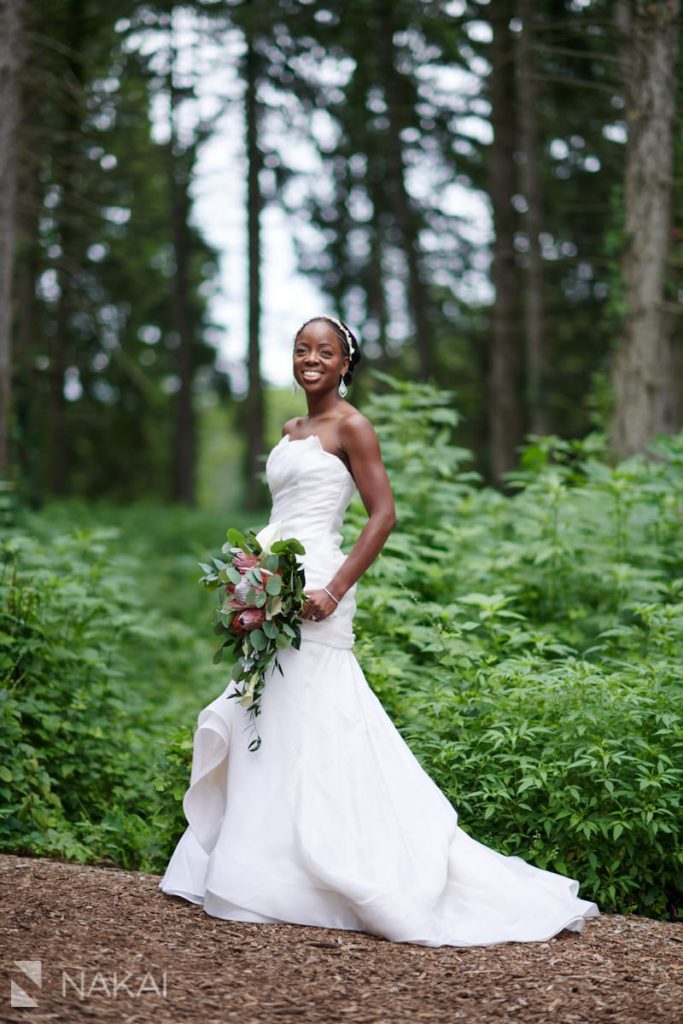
332	821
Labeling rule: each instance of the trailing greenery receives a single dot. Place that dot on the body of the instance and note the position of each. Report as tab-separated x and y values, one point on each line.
526	645
261	615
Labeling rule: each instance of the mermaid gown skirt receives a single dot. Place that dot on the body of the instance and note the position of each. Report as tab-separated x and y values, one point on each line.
332	821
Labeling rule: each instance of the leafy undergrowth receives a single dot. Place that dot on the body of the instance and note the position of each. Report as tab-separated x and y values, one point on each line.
526	645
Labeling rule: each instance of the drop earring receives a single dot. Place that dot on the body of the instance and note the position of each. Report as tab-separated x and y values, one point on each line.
295	386
342	388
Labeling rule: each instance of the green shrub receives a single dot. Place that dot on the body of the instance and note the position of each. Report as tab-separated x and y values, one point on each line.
527	646
80	738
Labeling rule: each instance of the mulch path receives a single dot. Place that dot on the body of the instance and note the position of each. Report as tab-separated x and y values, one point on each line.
172	962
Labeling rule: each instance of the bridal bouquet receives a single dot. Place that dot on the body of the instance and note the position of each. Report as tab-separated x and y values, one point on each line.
260	614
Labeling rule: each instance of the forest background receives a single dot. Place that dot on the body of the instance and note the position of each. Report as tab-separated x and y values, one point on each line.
538	343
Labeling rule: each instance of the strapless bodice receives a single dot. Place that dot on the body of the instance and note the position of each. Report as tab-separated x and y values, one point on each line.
311	489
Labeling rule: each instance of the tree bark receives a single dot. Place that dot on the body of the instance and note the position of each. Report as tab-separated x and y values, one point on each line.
530	183
404	211
255	406
504	407
376	299
67	171
184	463
10	63
647	395
25	378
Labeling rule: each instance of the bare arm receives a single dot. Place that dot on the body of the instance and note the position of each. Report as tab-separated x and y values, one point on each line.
361	446
360	443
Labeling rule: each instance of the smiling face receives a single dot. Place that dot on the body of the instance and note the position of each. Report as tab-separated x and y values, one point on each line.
319	358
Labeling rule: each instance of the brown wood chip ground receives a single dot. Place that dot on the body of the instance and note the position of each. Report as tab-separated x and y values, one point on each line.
96	928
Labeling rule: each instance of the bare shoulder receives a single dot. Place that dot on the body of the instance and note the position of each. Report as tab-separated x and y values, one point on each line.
289	425
357	434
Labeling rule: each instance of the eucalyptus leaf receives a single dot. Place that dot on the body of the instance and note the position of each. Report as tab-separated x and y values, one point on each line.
258	639
274	585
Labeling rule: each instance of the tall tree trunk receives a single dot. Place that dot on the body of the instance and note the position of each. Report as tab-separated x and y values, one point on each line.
376	299
28	411
647	397
28	224
184	462
10	37
67	169
504	408
255	406
56	423
406	217
530	182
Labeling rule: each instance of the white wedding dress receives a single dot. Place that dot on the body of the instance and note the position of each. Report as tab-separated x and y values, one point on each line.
332	821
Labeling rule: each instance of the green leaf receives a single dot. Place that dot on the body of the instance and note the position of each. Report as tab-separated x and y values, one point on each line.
258	639
274	585
295	546
525	784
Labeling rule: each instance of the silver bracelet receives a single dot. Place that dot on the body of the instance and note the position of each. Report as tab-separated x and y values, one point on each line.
331	595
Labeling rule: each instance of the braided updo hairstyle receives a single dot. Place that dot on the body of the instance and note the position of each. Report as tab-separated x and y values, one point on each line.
347	338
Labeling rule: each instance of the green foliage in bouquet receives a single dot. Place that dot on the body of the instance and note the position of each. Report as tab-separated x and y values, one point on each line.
261	614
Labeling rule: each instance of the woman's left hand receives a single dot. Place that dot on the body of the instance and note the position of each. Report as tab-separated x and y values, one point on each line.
318	606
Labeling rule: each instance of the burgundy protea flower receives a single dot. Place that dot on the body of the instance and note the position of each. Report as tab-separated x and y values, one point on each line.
237	627
246	620
244	561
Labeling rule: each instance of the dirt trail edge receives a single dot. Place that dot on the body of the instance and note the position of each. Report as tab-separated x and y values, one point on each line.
101	944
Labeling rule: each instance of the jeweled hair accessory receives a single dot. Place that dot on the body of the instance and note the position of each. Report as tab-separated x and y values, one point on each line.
342	327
